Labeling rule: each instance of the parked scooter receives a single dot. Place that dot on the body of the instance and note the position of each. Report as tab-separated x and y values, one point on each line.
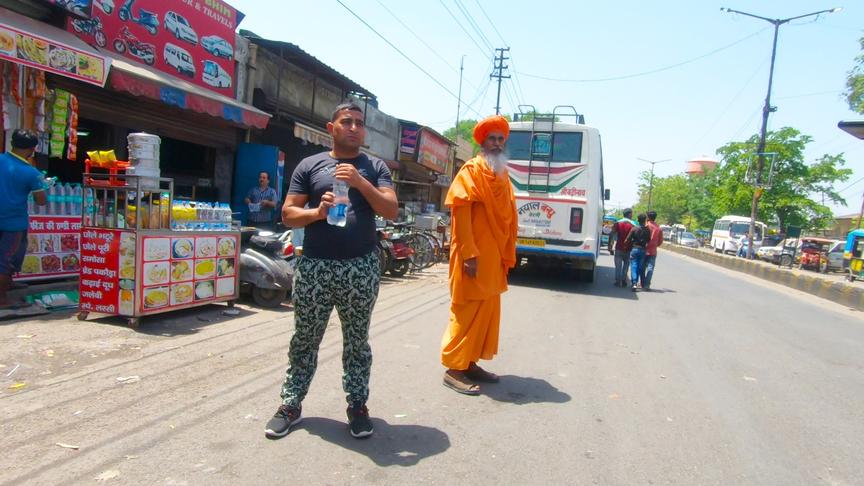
91	27
266	266
149	20
396	251
142	50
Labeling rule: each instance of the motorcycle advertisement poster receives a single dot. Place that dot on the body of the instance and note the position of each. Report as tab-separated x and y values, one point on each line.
190	39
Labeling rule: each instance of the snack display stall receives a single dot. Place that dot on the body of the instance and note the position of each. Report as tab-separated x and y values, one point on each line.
134	263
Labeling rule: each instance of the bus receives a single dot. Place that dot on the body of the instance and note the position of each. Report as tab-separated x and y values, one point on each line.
728	231
556	169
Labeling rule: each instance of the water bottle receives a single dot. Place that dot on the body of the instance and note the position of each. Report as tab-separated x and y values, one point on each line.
52	200
337	215
76	200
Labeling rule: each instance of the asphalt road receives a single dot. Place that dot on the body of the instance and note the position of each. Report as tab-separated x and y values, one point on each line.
715	378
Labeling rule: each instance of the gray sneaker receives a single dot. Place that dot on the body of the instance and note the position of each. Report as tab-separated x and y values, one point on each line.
281	423
358	421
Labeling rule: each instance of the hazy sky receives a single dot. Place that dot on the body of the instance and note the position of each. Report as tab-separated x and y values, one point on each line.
660	80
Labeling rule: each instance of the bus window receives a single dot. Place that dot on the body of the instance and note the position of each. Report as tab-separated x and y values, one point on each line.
519	145
541	146
576	220
567	147
741	229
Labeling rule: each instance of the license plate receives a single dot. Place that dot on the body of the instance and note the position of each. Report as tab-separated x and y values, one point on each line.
530	242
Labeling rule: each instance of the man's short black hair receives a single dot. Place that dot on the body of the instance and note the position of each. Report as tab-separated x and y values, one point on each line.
627	213
641	218
652	215
265	173
24	139
350	106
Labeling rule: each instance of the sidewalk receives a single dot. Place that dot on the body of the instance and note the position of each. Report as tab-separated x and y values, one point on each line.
831	286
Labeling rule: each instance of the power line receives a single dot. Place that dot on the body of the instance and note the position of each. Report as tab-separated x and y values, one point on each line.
490	21
646	73
474	25
841	191
435	80
520	95
485	53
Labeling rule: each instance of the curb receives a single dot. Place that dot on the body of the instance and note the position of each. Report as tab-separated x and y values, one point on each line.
840	292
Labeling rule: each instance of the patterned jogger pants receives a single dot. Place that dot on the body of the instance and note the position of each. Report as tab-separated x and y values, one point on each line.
351	286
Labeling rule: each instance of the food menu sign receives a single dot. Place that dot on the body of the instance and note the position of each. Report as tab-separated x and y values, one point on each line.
181	271
22	47
53	244
105	287
190	39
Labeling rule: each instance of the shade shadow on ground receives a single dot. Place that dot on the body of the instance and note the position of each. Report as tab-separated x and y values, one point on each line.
520	390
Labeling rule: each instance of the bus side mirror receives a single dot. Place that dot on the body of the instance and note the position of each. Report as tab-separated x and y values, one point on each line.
607	194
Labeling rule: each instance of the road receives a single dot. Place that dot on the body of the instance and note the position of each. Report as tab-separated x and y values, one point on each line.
715	378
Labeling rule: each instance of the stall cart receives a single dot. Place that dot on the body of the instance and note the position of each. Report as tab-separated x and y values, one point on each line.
134	264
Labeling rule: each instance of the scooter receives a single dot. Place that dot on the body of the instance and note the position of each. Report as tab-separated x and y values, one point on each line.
91	27
266	266
141	50
398	254
149	20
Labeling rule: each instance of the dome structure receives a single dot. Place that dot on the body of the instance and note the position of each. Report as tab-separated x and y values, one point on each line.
700	165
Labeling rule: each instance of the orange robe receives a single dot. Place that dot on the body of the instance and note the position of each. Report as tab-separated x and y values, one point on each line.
483	226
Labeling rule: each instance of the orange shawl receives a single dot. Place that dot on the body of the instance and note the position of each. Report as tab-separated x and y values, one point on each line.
483	225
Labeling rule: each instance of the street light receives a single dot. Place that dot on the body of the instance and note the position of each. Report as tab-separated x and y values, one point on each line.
766	110
651	180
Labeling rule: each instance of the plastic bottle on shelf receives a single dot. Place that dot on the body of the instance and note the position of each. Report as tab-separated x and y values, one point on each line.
52	200
76	200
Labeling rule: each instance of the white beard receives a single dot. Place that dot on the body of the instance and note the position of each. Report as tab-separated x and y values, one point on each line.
497	162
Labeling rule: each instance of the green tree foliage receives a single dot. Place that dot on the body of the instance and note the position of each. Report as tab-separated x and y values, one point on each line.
698	201
855	83
466	131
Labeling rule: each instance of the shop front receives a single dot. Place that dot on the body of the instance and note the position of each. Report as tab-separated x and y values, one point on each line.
425	156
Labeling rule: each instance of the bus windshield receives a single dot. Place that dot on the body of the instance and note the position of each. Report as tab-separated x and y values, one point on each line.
566	146
742	228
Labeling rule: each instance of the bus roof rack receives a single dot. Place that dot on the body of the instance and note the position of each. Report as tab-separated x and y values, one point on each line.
557	112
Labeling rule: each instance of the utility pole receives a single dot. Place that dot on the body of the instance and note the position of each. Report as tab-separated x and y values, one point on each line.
766	110
459	98
651	179
500	67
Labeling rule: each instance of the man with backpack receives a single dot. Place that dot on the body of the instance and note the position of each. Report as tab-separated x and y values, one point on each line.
638	238
618	237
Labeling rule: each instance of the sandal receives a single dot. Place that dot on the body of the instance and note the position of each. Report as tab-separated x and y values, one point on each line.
457	381
476	373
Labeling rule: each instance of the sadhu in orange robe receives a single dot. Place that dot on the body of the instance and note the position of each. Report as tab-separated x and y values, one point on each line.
483	225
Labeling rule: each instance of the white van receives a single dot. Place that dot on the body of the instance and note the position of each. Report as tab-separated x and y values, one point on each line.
215	76
180	59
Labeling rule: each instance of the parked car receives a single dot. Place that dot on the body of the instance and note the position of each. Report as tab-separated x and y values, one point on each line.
689	240
772	253
179	59
217	46
179	26
772	240
215	76
835	257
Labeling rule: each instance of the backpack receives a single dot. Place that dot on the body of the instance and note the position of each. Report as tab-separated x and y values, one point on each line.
641	236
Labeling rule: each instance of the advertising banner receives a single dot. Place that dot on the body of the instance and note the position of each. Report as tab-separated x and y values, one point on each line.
22	47
99	285
53	248
79	7
190	39
433	151
408	142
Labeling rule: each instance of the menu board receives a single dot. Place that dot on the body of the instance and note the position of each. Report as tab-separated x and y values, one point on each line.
181	270
107	271
31	50
53	248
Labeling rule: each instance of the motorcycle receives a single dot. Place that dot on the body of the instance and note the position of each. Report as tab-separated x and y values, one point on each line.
91	27
397	255
148	20
266	266
141	50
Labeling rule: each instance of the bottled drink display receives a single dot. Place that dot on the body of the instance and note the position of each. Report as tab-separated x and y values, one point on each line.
337	215
201	216
62	200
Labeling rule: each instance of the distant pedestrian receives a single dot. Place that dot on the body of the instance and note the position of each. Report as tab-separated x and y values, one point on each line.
639	237
261	200
338	268
618	239
651	249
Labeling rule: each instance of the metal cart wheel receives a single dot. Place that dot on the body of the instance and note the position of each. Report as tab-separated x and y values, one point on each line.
82	316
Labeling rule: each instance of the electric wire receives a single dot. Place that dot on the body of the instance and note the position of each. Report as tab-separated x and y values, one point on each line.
520	94
433	78
483	10
652	71
474	25
485	53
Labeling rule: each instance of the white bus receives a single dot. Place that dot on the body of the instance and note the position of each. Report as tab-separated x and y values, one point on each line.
728	231
557	173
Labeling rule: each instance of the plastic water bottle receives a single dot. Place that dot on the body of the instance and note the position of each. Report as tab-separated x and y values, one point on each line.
337	215
52	200
76	200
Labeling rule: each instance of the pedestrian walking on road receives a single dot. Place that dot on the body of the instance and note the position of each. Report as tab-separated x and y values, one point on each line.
618	238
338	268
482	251
651	250
18	179
639	237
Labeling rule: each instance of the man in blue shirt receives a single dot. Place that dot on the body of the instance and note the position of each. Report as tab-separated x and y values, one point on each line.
17	180
261	200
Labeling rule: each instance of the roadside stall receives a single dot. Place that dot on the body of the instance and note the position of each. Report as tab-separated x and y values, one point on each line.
143	253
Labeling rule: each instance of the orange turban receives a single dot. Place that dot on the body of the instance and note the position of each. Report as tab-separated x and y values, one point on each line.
494	123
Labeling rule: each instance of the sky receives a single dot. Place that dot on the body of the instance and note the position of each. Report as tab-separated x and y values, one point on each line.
661	80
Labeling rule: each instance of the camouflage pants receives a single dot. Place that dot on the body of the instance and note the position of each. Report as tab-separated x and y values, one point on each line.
351	286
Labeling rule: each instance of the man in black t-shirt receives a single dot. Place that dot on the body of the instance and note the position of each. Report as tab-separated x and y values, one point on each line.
339	267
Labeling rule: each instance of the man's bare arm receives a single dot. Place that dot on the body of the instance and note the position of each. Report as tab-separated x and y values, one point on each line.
294	214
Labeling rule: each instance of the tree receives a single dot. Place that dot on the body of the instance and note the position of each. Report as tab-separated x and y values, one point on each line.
855	83
466	131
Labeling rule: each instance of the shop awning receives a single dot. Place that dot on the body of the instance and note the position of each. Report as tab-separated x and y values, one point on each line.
141	80
42	46
312	135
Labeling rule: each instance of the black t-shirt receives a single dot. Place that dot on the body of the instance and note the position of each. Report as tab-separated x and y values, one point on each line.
313	177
